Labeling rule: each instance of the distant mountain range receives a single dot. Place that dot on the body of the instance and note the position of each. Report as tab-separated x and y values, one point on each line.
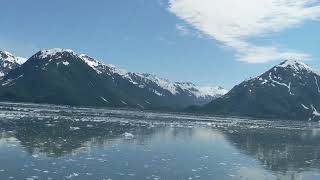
61	76
289	90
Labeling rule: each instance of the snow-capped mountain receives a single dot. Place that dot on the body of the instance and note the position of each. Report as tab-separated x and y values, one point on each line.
202	91
157	85
9	62
61	76
289	90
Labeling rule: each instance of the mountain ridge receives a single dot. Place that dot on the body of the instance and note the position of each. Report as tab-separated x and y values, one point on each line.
56	68
198	91
288	90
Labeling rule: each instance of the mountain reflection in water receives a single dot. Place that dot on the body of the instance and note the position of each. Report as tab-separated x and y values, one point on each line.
62	143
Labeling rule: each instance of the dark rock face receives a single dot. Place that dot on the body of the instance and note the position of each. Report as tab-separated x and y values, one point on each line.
289	90
60	76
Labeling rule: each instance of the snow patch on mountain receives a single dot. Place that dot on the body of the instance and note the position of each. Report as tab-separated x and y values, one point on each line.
9	62
157	93
116	70
6	56
202	91
123	102
66	63
101	67
315	112
52	52
305	107
161	82
282	84
142	80
298	70
104	99
297	66
10	82
91	62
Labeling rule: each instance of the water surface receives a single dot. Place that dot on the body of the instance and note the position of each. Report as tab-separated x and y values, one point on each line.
57	142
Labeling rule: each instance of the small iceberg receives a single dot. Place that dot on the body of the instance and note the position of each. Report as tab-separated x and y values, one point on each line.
127	135
74	128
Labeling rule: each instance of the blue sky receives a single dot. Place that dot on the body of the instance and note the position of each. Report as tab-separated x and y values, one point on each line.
182	40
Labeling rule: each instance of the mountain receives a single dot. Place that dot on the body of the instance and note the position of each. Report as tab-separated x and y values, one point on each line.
289	90
9	62
173	94
161	87
61	76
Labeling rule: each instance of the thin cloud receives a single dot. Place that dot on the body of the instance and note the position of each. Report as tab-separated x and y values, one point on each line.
163	39
233	23
182	30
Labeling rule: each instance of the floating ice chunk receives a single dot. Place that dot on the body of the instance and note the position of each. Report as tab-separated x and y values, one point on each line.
35	155
127	135
72	175
74	128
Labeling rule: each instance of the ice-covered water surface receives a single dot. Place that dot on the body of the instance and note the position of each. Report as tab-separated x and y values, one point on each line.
57	142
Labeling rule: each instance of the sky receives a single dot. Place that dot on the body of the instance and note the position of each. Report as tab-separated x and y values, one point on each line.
207	42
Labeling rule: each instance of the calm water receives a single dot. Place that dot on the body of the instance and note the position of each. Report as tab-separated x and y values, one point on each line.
54	142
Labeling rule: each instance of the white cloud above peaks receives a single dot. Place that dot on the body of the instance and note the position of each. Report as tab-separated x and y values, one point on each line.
235	22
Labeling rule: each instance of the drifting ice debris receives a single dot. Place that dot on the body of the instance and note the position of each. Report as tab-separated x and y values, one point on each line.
74	128
127	135
72	175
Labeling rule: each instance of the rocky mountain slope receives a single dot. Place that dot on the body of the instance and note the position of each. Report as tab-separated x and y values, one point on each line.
61	76
289	90
9	62
159	86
